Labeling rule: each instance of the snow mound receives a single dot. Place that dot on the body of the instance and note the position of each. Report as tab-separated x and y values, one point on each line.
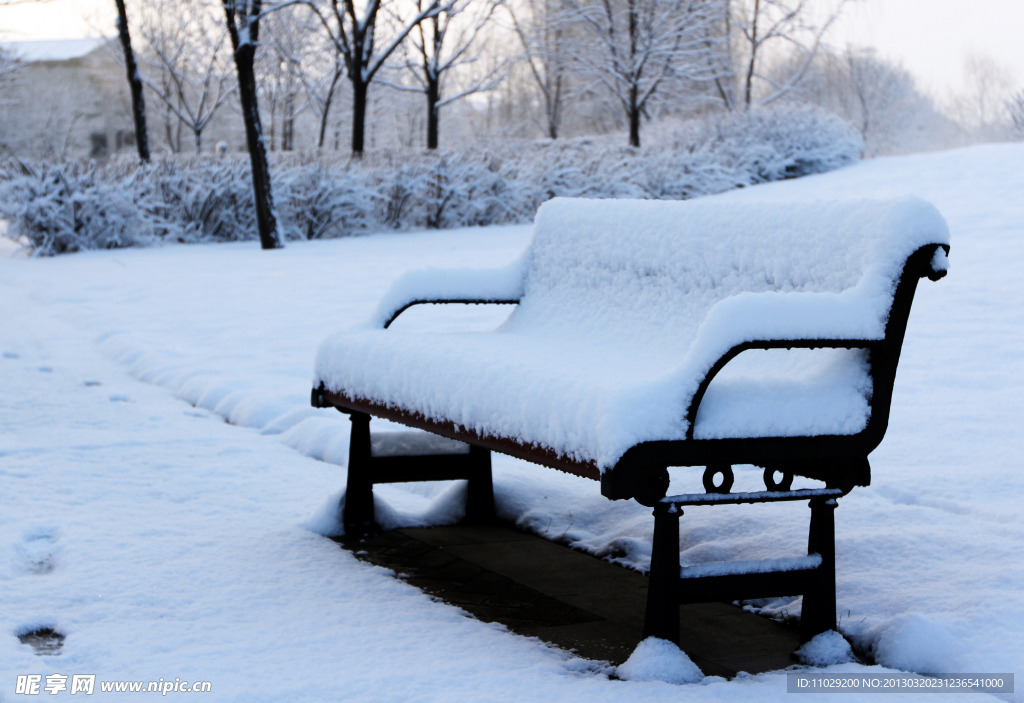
656	659
919	643
825	649
327	521
446	507
624	307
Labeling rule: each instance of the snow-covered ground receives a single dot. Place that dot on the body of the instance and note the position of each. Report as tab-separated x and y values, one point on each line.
165	542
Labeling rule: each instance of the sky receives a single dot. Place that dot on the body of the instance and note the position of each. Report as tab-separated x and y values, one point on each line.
930	38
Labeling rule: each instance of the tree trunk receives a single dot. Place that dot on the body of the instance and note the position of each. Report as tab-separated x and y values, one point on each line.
749	81
553	105
134	83
199	140
634	118
327	110
245	54
753	55
358	116
266	218
287	124
432	112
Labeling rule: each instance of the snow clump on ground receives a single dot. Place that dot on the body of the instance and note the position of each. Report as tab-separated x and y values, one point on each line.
656	659
825	649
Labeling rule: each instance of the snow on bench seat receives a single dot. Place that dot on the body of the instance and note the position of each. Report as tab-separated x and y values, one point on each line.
624	306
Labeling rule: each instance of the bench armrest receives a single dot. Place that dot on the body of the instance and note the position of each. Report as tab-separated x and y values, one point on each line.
781	321
863	317
500	285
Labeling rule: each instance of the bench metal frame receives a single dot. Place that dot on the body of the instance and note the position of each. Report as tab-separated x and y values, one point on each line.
364	470
841	461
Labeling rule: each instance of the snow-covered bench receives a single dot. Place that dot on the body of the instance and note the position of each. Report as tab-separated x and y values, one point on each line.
620	359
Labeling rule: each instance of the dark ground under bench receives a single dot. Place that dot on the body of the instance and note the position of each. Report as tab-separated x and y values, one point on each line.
538	588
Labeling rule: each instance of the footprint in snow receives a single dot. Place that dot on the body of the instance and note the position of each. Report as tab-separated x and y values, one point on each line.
11	355
120	399
46	641
38	550
90	384
46	369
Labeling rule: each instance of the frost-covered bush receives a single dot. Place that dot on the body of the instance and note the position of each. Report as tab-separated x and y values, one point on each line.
68	207
201	201
787	142
316	202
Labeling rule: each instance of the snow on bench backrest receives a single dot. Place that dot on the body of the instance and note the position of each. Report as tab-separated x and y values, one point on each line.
624	308
652	272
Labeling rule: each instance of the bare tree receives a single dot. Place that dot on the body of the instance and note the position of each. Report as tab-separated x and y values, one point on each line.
9	67
243	22
134	83
10	64
321	74
541	29
441	45
877	96
1016	107
762	24
188	51
282	64
354	35
987	86
637	47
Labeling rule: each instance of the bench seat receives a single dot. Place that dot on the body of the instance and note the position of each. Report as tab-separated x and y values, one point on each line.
589	406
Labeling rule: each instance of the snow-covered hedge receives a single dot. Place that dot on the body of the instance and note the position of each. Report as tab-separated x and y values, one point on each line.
66	207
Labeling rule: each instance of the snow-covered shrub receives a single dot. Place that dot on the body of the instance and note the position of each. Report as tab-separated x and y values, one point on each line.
315	202
67	207
788	141
202	201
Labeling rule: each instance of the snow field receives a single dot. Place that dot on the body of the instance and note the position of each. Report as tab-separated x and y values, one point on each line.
225	582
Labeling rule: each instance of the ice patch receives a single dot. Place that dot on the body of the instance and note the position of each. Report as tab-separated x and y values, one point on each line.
656	659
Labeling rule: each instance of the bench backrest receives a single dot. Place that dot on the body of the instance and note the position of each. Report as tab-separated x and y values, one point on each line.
647	273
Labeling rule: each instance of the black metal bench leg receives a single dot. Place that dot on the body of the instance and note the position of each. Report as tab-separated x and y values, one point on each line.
819	607
358	513
480	492
661	618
